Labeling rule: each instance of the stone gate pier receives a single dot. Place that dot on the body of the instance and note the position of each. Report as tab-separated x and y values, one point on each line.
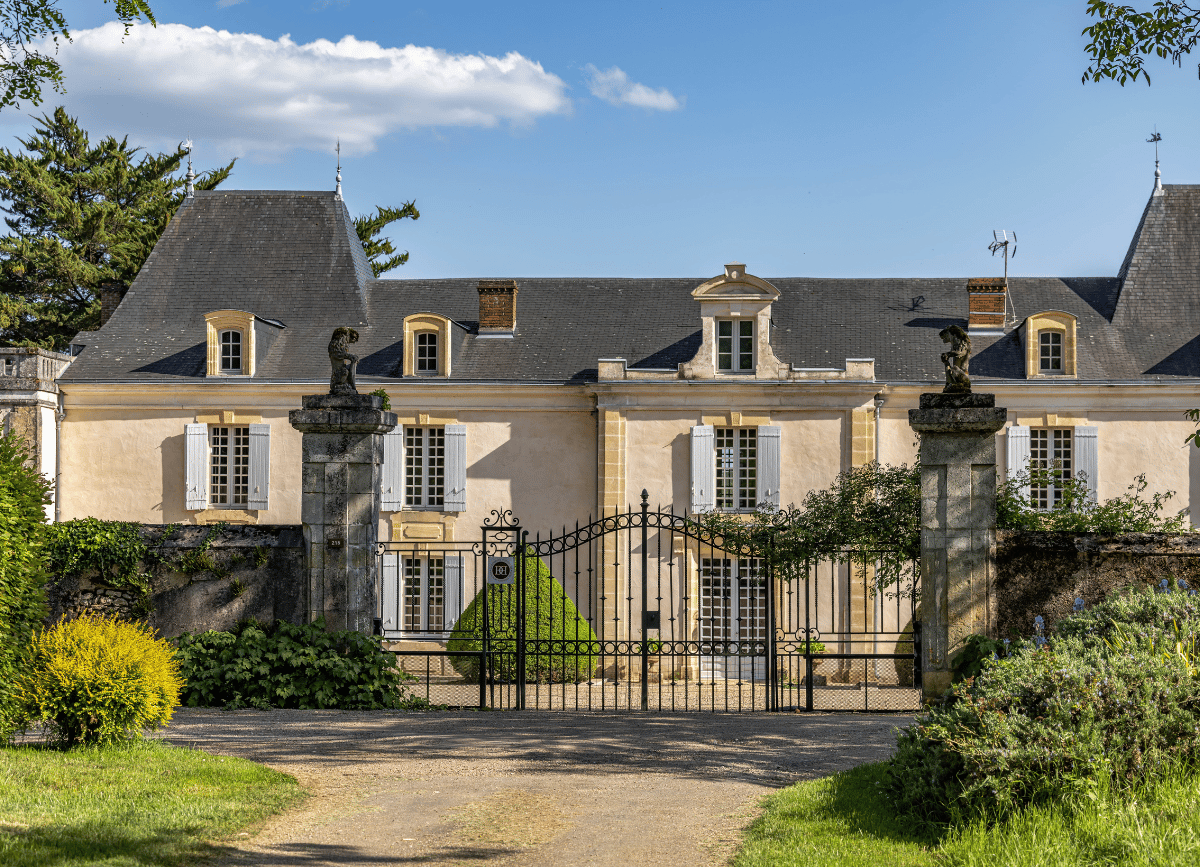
343	461
958	524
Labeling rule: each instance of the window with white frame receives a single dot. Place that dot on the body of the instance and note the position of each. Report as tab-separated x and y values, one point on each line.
1050	349
736	468
735	346
427	352
1050	450
227	466
422	591
424	467
733	618
230	342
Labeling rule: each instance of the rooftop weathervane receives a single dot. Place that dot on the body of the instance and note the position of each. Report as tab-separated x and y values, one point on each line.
190	191
1156	138
338	191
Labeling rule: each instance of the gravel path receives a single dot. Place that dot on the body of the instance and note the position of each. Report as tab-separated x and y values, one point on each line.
526	789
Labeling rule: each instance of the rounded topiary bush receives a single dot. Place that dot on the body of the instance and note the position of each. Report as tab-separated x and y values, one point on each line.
281	664
560	646
98	680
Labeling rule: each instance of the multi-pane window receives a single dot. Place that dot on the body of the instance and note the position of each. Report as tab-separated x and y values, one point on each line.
231	351
1051	352
423	606
424	467
1050	450
737	467
733	618
427	350
229	466
735	345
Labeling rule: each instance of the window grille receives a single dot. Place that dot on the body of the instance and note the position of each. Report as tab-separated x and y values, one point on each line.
735	345
1049	450
737	468
424	467
427	350
229	466
424	594
1051	352
231	351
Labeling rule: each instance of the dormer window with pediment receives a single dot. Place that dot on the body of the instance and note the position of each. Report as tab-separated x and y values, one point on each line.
426	345
230	343
735	316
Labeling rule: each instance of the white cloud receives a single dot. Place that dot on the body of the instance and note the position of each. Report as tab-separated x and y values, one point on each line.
613	86
221	4
253	95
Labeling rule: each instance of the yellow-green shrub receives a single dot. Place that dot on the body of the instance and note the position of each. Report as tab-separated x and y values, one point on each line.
98	679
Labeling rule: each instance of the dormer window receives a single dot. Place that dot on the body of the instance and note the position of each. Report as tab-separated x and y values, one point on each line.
1050	345
231	342
427	353
231	351
735	346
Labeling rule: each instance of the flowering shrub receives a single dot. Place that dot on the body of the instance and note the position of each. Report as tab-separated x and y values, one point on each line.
98	680
1111	694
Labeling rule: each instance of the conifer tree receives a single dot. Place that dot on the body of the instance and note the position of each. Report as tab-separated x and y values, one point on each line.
369	227
80	216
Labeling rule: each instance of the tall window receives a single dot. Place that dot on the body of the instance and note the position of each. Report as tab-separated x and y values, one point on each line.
735	345
1050	450
231	351
424	602
427	351
424	467
229	466
737	467
1051	349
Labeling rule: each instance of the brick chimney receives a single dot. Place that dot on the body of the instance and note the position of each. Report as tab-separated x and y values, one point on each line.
110	296
497	307
987	300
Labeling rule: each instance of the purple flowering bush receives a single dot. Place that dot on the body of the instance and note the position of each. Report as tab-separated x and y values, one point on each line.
1111	693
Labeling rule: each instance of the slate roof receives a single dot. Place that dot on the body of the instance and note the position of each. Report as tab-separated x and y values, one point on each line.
294	257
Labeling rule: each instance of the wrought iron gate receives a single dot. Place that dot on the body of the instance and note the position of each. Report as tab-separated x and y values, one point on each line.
644	610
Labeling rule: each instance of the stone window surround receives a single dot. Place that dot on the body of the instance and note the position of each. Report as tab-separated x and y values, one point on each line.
414	324
229	320
217	514
1031	331
421	526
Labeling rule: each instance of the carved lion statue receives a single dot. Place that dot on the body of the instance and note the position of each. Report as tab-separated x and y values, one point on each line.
344	363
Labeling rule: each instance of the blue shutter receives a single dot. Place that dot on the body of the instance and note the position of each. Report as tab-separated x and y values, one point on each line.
1018	456
195	483
768	465
260	466
392	477
1087	457
455	498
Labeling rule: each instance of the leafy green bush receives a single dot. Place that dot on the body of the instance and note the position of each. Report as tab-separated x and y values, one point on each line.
560	645
1076	512
280	664
1111	695
23	493
99	680
110	551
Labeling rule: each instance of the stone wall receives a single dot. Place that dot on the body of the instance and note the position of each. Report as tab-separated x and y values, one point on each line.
203	578
1043	573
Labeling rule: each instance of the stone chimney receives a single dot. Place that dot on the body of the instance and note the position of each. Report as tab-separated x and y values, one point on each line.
497	308
110	296
988	296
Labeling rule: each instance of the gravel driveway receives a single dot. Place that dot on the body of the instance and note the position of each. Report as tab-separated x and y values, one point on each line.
521	788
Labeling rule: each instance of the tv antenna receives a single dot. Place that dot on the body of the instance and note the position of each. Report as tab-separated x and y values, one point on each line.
1001	241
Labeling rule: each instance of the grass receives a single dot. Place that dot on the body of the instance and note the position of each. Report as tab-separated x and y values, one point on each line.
145	803
842	821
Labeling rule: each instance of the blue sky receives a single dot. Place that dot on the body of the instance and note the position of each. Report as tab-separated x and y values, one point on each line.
643	140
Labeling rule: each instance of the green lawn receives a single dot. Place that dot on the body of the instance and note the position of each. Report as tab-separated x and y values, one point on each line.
843	821
146	803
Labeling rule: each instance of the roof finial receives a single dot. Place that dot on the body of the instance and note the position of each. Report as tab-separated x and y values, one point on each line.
1156	138
338	192
190	177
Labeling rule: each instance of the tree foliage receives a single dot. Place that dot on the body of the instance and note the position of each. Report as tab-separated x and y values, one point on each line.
25	25
871	513
1075	511
369	228
1122	36
81	216
23	493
